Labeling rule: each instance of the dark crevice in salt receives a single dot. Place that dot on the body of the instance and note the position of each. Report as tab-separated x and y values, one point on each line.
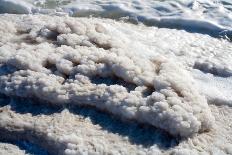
7	69
66	78
29	40
148	91
49	35
157	65
75	63
113	80
50	66
23	31
32	105
216	71
4	100
24	37
178	93
105	46
52	35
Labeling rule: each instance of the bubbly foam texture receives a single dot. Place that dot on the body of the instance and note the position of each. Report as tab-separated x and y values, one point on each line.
202	16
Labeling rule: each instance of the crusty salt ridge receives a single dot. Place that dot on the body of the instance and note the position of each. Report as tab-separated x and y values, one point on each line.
65	132
68	61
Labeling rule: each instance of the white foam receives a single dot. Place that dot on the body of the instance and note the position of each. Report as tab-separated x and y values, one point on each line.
203	16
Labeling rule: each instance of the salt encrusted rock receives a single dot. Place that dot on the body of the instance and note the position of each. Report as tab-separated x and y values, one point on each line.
80	62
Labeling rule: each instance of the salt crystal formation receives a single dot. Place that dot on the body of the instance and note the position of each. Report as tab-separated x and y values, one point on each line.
79	62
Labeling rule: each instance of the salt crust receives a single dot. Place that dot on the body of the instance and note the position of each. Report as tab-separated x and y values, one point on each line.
69	61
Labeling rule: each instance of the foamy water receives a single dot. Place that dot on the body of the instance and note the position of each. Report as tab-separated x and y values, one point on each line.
204	16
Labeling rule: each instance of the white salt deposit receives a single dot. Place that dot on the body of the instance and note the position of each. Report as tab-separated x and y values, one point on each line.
62	64
173	80
67	61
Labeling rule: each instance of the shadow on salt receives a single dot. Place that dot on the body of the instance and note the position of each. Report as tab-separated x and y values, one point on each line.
137	134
